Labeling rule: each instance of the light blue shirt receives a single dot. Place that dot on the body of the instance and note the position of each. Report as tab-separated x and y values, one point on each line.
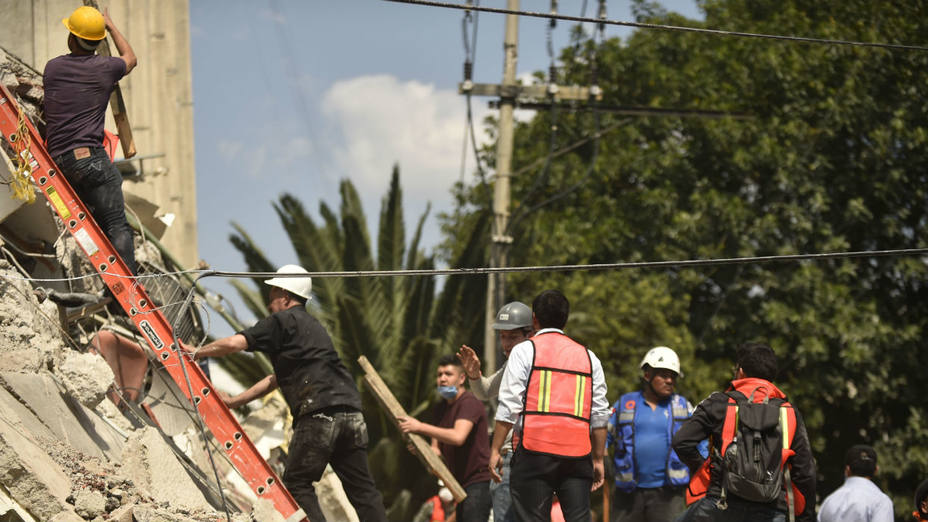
858	500
515	380
652	444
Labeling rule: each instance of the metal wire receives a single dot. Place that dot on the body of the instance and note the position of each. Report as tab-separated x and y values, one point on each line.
585	267
686	263
664	27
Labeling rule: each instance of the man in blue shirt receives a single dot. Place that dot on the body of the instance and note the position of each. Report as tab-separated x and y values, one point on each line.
649	477
859	499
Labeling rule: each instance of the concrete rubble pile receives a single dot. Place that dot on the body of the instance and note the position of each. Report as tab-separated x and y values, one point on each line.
67	452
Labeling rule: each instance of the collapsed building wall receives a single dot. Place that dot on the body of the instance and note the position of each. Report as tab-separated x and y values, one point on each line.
67	452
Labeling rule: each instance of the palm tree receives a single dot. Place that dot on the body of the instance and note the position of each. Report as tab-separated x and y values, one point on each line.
398	323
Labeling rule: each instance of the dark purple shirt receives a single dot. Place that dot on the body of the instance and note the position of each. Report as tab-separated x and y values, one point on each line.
77	89
470	462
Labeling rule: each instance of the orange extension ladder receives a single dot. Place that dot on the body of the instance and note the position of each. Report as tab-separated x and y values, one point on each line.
150	321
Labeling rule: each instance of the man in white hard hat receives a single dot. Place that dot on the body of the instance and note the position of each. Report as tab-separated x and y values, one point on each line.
649	477
514	324
328	427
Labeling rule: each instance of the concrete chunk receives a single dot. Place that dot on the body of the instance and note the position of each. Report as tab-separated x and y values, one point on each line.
86	376
154	468
90	503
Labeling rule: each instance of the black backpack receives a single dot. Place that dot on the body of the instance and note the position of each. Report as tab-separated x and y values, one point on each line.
752	450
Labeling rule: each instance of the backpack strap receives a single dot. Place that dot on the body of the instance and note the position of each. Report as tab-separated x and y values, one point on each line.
729	428
730	425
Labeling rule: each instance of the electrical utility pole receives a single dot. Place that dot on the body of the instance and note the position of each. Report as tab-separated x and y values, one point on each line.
508	93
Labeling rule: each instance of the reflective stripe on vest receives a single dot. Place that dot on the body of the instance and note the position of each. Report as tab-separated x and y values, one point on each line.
558	399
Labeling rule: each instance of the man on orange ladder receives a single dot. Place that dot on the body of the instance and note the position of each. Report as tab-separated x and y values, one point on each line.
328	427
77	89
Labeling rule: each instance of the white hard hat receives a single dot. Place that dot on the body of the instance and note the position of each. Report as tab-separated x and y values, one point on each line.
662	357
301	286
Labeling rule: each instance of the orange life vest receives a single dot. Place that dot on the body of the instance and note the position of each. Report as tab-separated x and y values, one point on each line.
699	483
559	398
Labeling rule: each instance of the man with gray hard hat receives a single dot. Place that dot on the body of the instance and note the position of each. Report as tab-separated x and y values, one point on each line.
514	323
650	478
328	427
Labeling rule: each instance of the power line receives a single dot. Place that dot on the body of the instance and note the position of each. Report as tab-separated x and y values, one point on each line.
686	263
643	25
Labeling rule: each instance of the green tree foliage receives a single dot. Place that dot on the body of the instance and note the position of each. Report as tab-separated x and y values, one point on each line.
832	158
398	323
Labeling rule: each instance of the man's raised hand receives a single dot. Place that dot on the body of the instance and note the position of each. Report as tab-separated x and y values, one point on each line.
469	361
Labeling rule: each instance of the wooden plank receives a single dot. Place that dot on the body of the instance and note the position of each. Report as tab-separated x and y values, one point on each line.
423	449
117	103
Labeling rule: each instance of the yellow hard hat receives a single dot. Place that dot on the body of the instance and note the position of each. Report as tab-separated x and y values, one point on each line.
87	23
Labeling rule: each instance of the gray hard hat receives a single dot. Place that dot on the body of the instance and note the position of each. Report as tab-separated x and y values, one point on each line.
512	316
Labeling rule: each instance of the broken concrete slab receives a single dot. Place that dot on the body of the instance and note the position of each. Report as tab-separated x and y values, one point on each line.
70	421
12	511
168	403
16	411
154	468
35	480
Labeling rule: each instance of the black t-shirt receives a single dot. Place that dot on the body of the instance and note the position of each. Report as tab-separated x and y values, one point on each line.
469	463
309	372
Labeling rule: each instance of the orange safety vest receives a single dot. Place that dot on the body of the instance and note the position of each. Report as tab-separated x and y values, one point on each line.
699	483
559	398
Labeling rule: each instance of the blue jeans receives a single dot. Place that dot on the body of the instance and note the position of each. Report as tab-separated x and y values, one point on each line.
338	437
98	184
502	498
738	511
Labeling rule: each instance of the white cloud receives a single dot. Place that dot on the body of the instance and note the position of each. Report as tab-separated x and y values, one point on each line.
382	121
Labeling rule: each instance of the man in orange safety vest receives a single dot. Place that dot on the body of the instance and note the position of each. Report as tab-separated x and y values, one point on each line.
554	393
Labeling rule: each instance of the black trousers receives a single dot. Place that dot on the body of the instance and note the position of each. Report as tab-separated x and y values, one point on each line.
99	185
338	438
535	478
476	507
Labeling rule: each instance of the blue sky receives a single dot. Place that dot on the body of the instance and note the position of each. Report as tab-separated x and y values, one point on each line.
293	96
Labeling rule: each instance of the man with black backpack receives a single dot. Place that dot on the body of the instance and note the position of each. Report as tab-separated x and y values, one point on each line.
760	466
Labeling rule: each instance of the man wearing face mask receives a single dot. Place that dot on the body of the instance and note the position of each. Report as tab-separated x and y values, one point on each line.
460	437
514	323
